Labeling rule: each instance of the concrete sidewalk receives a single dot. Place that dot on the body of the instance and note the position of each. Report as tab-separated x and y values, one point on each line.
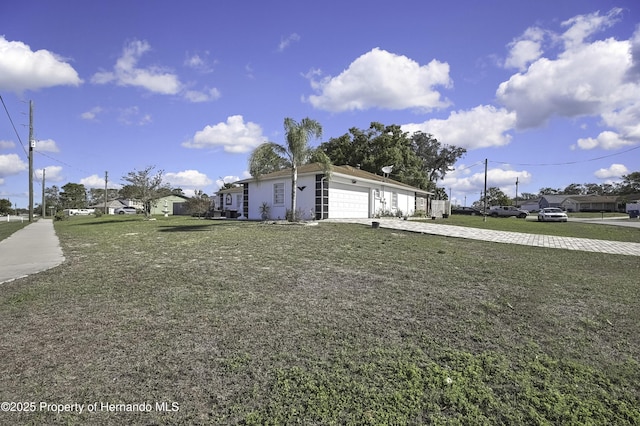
34	248
535	240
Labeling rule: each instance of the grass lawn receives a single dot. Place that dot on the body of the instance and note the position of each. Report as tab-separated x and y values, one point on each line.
250	323
561	229
8	228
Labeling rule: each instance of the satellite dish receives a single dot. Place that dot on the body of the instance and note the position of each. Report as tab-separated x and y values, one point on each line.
387	169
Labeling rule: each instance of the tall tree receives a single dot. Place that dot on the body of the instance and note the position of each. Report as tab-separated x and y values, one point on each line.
496	197
419	160
96	195
574	189
549	191
5	206
271	156
73	196
146	187
377	147
52	197
436	159
630	183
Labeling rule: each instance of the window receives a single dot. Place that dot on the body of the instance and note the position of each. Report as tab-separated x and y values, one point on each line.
394	200
278	194
376	194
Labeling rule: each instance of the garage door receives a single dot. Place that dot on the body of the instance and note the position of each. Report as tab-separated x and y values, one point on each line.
348	201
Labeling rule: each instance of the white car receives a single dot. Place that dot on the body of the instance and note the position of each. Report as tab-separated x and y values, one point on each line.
552	214
125	210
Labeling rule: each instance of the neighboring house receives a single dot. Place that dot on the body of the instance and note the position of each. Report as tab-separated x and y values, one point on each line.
230	201
115	204
347	193
171	204
111	206
591	203
530	205
551	201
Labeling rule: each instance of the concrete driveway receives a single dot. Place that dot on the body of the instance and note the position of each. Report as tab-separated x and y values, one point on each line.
521	238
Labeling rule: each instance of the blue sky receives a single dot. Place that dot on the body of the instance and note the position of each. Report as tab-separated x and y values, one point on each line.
547	91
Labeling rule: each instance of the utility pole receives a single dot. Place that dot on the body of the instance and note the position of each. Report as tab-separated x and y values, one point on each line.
106	177
44	211
484	216
516	191
32	144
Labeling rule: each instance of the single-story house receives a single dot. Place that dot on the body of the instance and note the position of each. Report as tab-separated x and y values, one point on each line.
591	203
172	204
115	204
530	205
583	203
347	192
551	201
229	201
111	206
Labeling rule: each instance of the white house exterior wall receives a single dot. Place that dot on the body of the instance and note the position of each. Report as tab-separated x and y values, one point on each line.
347	197
262	191
377	195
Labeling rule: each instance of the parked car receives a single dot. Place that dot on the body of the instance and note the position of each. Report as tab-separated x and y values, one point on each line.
466	210
552	214
507	211
125	210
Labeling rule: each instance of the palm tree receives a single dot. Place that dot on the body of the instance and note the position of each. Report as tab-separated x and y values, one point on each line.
270	156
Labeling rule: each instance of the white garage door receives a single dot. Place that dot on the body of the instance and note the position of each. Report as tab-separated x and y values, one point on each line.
348	201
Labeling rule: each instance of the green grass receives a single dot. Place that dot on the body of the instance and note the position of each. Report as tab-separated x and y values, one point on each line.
8	228
246	323
532	226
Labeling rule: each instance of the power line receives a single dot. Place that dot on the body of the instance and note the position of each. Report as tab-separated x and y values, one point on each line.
568	162
13	125
62	162
468	167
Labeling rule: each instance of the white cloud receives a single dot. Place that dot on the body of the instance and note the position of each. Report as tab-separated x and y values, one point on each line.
200	62
633	73
625	120
480	127
614	171
155	79
286	42
95	181
11	164
605	140
231	179
234	136
202	96
572	84
92	114
23	69
188	178
380	79
52	174
132	116
526	49
126	73
47	145
460	180
582	27
7	144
